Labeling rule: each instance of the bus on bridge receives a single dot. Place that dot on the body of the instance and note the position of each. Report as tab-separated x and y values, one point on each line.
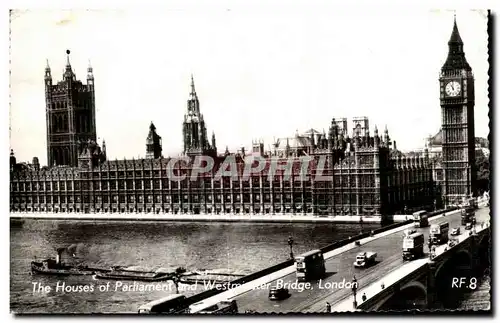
310	265
439	233
468	213
421	219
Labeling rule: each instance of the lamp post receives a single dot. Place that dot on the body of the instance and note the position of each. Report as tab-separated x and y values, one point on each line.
290	243
354	289
176	280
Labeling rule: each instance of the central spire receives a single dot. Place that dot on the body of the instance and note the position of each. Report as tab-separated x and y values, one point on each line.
192	94
193	103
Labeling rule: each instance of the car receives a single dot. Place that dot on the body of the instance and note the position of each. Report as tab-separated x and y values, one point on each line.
468	226
276	294
452	243
455	231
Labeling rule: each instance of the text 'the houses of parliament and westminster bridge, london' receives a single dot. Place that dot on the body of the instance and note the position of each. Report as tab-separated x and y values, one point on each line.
362	172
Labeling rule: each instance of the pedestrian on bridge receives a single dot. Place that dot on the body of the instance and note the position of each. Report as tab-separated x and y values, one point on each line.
363	297
328	307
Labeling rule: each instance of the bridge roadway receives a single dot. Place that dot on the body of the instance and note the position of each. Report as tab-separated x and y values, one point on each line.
339	268
393	277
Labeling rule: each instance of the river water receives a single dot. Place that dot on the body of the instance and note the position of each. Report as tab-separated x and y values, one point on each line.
239	248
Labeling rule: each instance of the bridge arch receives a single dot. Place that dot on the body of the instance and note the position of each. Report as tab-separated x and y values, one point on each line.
452	279
484	252
463	256
411	296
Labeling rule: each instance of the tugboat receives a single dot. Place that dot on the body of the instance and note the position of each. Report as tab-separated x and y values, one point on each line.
57	267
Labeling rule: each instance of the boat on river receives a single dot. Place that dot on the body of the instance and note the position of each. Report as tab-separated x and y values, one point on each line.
52	267
134	275
57	267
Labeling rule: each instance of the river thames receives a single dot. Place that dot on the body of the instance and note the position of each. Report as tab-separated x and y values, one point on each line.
239	248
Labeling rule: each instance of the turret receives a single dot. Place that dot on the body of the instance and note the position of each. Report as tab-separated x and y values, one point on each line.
367	137
214	143
68	72
153	143
376	137
104	148
36	164
48	76
13	161
313	143
387	140
90	75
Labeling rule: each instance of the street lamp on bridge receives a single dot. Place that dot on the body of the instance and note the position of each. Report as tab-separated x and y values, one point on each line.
354	289
176	281
290	243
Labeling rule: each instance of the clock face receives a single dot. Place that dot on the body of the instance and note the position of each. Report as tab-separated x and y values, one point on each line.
453	88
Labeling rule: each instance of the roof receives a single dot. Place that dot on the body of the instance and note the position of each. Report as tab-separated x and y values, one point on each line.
456	56
437	139
296	142
455	35
312	132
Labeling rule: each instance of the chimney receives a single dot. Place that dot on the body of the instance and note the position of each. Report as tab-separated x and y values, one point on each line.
59	254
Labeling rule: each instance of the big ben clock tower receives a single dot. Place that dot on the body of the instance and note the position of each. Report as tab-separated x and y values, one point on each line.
456	84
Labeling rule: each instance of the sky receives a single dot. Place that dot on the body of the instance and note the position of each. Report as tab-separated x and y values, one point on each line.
259	73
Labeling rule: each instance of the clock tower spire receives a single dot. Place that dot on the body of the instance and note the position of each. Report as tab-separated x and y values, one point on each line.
456	56
457	116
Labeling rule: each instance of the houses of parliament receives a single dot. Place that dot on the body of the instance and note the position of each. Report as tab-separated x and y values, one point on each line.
366	173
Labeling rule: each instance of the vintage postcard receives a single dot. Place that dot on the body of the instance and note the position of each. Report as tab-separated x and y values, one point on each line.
222	160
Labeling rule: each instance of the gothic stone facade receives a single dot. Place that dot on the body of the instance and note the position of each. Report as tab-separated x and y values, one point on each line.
361	174
364	180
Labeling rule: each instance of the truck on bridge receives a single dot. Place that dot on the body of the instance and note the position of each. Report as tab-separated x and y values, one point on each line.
439	233
365	259
413	246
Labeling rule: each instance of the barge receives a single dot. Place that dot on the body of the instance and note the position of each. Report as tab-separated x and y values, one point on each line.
134	275
58	268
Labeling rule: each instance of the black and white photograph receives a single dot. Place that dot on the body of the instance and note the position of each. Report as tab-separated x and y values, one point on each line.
253	159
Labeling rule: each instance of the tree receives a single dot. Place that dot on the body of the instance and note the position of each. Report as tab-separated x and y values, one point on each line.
483	173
